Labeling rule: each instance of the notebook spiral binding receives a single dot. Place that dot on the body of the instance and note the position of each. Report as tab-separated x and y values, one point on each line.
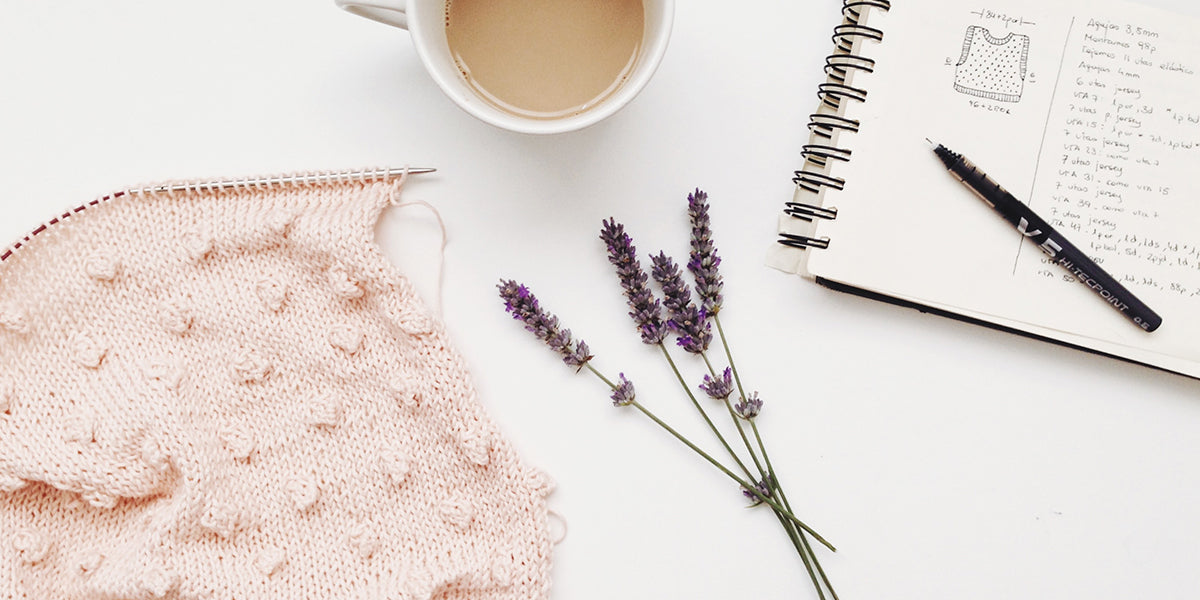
302	179
830	120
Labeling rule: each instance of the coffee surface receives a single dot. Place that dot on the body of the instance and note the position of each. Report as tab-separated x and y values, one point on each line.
545	59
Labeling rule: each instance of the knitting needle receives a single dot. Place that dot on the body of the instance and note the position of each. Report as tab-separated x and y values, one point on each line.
300	179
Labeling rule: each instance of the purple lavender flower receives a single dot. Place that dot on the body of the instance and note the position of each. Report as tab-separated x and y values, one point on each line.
623	394
677	295
703	260
524	307
748	408
763	488
686	319
718	389
645	309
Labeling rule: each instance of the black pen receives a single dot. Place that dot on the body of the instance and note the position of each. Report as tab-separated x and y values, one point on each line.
1051	242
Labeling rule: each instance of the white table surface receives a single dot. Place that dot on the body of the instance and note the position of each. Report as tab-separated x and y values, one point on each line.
944	460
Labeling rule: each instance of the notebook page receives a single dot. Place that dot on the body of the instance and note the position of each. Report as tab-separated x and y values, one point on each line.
1087	111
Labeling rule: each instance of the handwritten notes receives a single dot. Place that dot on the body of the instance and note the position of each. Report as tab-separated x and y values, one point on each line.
1005	19
1120	153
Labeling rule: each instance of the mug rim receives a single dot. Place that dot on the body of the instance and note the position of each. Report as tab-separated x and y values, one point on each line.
474	105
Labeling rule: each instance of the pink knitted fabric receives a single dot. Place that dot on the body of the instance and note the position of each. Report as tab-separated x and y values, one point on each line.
234	395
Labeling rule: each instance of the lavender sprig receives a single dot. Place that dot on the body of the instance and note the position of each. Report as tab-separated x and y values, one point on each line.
748	407
693	323
703	263
644	308
647	309
524	307
762	489
718	388
623	394
687	320
703	260
694	335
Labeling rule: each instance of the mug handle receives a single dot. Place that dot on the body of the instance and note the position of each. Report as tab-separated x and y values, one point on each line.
388	12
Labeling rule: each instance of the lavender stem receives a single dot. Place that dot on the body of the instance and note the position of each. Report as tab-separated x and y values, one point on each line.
737	423
745	485
783	497
774	481
704	413
600	375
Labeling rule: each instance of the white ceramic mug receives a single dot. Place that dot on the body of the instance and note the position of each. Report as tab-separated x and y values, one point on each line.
425	20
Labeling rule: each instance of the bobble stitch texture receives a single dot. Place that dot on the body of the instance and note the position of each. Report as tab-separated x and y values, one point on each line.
79	427
153	454
90	561
476	447
102	267
88	352
174	318
326	411
395	465
364	540
407	393
539	481
238	442
269	560
221	518
346	338
272	292
157	582
342	284
196	245
249	367
163	372
32	547
279	221
419	585
413	322
303	493
458	513
13	320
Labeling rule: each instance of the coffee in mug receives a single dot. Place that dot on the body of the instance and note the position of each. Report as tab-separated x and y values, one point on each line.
545	59
533	66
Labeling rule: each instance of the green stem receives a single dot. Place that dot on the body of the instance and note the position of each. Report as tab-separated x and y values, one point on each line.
704	413
736	421
589	366
799	541
825	577
804	550
728	354
792	525
768	474
771	478
745	485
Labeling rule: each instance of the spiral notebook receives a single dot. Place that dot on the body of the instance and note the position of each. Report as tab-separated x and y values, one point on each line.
1089	112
